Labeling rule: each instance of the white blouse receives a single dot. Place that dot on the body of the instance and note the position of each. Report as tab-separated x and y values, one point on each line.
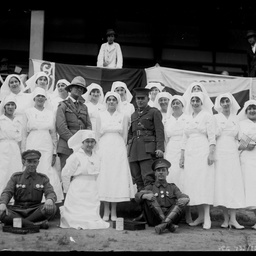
203	123
77	164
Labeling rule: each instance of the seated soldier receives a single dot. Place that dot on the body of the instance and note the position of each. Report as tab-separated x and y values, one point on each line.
163	203
28	188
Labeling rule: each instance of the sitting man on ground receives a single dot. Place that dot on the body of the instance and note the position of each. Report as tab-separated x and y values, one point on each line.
28	187
163	203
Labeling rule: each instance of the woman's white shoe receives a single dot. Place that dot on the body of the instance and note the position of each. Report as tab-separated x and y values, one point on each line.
113	218
254	227
224	224
196	222
207	224
235	224
105	218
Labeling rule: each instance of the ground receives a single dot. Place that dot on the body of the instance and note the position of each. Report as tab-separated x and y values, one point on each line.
185	238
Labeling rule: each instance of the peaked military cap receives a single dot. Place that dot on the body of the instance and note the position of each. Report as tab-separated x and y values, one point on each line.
110	32
31	154
250	33
141	91
159	163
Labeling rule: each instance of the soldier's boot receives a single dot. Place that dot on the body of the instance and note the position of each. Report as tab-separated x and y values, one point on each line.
176	212
7	220
154	205
139	218
24	222
140	186
42	224
169	221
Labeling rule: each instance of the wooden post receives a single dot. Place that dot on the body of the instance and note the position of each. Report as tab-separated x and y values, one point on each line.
36	38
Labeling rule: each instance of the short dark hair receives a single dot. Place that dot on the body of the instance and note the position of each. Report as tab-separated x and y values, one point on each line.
251	105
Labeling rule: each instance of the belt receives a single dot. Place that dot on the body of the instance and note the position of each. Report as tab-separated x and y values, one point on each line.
76	128
143	133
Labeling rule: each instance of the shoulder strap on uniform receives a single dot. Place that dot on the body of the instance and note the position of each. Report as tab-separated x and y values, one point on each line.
71	107
17	173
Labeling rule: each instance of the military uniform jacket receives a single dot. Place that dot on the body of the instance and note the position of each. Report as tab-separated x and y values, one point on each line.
70	119
28	189
146	134
166	193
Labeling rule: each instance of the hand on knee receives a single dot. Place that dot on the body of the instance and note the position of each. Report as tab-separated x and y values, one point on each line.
49	212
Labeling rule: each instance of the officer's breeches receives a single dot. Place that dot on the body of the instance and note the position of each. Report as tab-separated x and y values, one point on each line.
142	173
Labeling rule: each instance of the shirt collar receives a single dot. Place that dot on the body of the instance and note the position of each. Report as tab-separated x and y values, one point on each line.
18	94
162	183
72	98
145	109
253	48
32	175
125	102
4	117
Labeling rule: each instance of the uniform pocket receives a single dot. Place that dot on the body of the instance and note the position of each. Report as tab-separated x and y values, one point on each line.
150	144
83	113
70	115
39	189
20	192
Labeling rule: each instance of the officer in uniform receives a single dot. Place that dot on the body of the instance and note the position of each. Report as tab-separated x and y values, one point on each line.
145	139
72	115
163	203
28	188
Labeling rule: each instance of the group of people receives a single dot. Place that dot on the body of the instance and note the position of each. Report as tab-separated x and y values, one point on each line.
169	153
45	122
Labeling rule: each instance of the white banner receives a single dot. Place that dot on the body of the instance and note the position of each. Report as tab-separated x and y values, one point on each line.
1	80
179	80
253	89
47	67
176	79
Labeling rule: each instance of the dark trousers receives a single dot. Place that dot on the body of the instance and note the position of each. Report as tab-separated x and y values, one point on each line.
63	159
142	173
33	214
152	217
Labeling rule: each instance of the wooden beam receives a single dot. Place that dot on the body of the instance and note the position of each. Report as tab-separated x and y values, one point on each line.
36	38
